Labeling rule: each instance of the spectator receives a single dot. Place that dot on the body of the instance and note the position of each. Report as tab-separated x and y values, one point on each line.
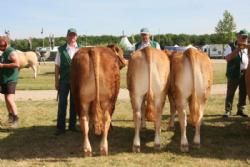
8	78
145	40
62	81
237	61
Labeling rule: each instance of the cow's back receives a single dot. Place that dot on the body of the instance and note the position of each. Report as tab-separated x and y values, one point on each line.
138	71
83	75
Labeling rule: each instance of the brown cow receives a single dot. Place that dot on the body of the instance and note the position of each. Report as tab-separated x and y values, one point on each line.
95	83
191	77
147	80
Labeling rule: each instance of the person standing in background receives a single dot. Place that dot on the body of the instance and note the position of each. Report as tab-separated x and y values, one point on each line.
8	78
62	81
237	61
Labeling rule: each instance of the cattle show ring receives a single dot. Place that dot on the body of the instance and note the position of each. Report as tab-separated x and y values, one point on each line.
217	141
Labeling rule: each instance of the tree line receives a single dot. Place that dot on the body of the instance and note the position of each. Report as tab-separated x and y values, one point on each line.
163	39
225	32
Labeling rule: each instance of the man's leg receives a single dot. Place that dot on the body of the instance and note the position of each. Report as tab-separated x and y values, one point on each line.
242	97
231	88
62	107
72	116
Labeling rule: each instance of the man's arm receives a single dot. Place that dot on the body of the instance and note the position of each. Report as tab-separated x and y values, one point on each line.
57	68
233	54
15	61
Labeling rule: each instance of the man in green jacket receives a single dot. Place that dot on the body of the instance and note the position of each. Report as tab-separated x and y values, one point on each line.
62	81
9	72
145	40
237	61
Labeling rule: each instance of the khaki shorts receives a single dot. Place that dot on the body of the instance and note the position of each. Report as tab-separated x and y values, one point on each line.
9	88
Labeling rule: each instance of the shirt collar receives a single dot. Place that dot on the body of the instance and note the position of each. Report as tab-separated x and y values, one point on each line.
75	46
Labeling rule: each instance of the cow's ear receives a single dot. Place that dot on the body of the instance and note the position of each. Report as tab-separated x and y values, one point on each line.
119	53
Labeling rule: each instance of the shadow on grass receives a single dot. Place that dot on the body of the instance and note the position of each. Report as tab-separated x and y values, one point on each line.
40	142
220	139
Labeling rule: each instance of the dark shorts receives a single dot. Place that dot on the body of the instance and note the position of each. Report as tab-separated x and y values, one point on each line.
9	88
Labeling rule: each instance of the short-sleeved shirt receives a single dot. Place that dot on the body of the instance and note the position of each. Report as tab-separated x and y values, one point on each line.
71	51
145	44
244	56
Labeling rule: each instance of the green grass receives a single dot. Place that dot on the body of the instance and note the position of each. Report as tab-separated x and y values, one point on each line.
224	142
45	79
219	72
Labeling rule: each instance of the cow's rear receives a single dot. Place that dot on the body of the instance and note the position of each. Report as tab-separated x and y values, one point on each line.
147	79
95	82
191	81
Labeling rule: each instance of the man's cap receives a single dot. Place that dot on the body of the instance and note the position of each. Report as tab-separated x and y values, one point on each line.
71	30
144	31
243	32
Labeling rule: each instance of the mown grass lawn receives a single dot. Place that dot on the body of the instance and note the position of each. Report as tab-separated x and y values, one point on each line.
45	79
224	142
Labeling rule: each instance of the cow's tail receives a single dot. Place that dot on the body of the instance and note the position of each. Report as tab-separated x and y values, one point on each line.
150	109
194	105
98	119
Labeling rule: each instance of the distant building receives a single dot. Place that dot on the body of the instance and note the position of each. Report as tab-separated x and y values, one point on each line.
213	50
178	48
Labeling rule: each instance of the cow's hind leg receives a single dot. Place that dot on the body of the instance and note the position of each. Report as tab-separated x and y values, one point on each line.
196	140
84	123
170	126
34	70
183	124
136	105
104	141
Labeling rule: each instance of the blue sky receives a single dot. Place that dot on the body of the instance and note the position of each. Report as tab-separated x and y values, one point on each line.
25	18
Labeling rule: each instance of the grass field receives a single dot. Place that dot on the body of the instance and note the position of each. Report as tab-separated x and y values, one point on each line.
45	79
224	142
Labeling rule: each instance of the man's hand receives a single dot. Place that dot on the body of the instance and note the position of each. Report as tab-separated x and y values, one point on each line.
1	65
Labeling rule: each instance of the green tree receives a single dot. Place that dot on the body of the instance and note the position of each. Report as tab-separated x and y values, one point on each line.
226	28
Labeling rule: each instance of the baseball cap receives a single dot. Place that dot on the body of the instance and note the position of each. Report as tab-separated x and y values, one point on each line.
243	32
71	30
144	31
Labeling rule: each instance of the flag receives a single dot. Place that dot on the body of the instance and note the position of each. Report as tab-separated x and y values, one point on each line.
42	31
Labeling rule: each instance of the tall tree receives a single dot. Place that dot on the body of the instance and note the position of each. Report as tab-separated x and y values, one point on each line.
226	28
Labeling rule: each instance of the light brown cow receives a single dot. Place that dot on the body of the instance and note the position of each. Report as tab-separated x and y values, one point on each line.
27	59
147	80
191	77
95	83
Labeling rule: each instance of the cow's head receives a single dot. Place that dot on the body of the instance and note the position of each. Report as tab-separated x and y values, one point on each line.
119	53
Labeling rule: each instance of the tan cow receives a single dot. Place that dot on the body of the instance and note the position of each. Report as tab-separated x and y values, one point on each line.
147	80
28	59
95	83
191	77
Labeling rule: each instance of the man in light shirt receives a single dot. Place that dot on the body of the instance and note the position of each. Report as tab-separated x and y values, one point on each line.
62	81
145	40
237	62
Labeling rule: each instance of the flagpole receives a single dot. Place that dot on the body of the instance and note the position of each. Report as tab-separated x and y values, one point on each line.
42	37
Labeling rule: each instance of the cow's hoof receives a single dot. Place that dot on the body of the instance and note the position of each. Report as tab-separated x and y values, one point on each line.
87	153
157	147
104	152
197	145
184	148
136	149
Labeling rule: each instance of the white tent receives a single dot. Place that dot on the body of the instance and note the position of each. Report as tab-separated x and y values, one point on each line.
124	43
